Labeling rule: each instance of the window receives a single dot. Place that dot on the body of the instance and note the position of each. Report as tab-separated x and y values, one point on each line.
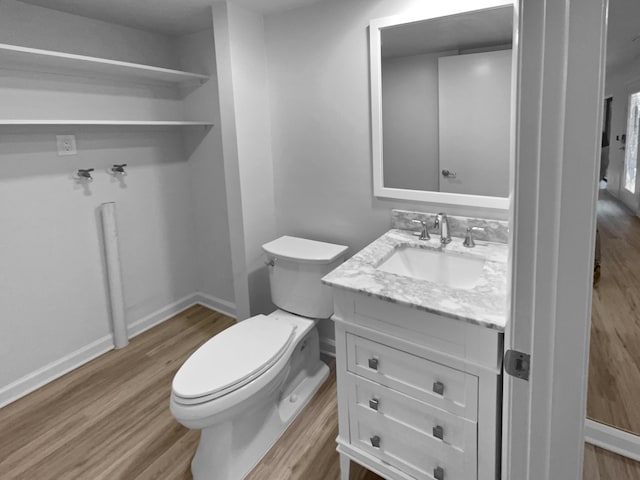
631	148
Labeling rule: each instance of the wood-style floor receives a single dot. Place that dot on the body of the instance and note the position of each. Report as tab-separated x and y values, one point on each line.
110	419
614	364
600	464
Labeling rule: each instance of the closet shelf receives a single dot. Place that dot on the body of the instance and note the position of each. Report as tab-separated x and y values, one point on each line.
133	123
15	56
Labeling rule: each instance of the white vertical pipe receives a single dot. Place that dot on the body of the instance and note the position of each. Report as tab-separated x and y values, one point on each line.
114	273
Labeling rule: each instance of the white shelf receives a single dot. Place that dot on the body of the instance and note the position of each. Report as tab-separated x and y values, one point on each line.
14	56
141	123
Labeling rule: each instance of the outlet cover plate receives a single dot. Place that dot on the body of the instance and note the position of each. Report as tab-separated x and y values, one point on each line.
66	145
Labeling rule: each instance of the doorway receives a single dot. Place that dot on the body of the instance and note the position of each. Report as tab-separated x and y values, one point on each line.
613	415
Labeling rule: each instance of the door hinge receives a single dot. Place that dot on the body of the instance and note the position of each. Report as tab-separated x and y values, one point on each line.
517	364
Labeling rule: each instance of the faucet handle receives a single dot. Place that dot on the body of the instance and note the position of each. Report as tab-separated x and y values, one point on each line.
85	174
468	239
424	234
118	169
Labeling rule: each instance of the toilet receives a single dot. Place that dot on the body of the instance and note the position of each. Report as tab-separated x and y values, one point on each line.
244	386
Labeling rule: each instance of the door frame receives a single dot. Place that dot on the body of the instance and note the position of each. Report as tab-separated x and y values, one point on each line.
558	126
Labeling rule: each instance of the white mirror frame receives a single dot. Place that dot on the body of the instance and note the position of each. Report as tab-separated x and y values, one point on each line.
379	190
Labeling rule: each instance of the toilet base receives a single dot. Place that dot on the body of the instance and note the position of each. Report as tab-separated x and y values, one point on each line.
231	449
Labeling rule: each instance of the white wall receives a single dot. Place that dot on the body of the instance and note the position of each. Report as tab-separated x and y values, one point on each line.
320	119
206	165
410	122
246	137
53	297
171	208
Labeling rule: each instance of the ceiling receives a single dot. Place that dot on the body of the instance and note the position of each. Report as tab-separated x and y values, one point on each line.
174	17
624	27
171	17
481	29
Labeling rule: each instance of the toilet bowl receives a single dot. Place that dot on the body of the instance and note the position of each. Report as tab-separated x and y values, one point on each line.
245	386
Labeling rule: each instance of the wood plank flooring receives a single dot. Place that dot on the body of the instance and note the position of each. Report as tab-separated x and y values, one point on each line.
600	464
614	364
110	419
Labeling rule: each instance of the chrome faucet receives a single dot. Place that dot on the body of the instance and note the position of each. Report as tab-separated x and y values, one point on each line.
424	233
443	222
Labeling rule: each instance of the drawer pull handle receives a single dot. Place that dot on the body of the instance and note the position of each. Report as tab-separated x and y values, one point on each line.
438	387
373	363
374	403
375	441
438	473
438	432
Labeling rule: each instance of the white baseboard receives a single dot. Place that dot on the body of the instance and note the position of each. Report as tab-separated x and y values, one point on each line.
165	313
612	439
53	370
217	304
56	369
328	346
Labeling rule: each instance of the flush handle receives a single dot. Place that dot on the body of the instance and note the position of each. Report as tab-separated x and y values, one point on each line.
438	473
374	403
438	387
375	441
438	432
373	363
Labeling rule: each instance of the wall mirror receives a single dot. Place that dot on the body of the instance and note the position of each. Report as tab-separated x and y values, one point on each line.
442	90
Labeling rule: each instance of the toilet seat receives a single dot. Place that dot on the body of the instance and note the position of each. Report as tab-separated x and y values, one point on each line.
232	359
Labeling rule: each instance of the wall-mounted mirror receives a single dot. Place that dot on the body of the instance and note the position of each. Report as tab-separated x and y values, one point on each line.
442	105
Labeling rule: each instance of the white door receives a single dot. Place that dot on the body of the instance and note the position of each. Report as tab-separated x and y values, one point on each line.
560	91
474	121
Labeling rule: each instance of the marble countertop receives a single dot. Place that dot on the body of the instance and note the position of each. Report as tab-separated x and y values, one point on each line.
485	304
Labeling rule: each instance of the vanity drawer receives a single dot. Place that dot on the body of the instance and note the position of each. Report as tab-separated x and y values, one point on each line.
451	431
443	387
415	453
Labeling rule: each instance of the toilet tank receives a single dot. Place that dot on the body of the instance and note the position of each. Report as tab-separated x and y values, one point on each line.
296	266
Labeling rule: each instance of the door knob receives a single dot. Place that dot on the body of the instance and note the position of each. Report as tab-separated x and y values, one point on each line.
375	441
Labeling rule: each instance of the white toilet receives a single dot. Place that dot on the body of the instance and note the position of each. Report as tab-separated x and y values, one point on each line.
245	386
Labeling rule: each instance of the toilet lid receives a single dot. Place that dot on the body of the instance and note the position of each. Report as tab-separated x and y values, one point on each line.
233	358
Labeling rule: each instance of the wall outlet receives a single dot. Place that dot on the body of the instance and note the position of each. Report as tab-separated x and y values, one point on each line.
66	145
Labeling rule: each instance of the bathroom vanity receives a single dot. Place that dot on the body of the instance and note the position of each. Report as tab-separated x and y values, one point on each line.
419	357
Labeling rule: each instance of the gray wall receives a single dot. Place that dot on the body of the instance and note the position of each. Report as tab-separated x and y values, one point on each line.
318	60
410	122
173	232
246	137
206	168
320	122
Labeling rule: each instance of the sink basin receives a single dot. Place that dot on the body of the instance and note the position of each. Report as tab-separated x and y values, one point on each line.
444	268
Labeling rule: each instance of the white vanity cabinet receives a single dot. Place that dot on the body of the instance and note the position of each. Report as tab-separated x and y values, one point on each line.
419	394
